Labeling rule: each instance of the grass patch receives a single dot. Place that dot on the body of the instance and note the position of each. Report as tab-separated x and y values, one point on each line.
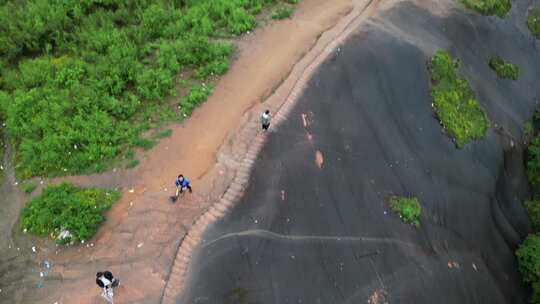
145	143
489	7
197	95
408	209
454	101
81	80
28	187
66	207
132	163
504	69
282	12
533	22
163	133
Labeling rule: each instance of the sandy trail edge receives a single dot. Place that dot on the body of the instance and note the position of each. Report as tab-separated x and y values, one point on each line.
281	102
141	236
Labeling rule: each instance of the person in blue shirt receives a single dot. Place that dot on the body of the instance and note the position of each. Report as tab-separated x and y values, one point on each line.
181	184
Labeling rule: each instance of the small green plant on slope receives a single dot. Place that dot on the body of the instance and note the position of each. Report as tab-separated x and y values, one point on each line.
504	69
533	21
533	210
282	12
28	187
528	257
489	7
454	101
409	209
65	207
528	129
533	163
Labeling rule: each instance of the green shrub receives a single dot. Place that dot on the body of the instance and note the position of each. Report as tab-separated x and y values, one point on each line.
132	163
489	7
144	143
78	79
533	163
528	129
164	133
409	209
454	101
28	187
533	209
66	207
533	22
504	69
196	96
282	12
528	256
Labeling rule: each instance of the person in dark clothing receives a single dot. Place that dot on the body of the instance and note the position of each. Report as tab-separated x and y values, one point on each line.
265	119
106	281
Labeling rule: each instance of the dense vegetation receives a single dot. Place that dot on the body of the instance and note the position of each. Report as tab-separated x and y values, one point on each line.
533	22
81	80
504	69
454	101
528	254
66	207
489	7
409	209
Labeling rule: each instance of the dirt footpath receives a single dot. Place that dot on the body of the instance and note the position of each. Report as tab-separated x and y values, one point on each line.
143	230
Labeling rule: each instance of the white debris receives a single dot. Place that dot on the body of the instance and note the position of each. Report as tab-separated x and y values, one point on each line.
64	234
41	274
140	245
33	248
131	190
82	241
25	230
41	182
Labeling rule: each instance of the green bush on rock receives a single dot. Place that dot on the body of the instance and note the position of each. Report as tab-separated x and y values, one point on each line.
533	22
454	101
504	69
533	209
65	207
528	256
533	163
409	209
489	7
